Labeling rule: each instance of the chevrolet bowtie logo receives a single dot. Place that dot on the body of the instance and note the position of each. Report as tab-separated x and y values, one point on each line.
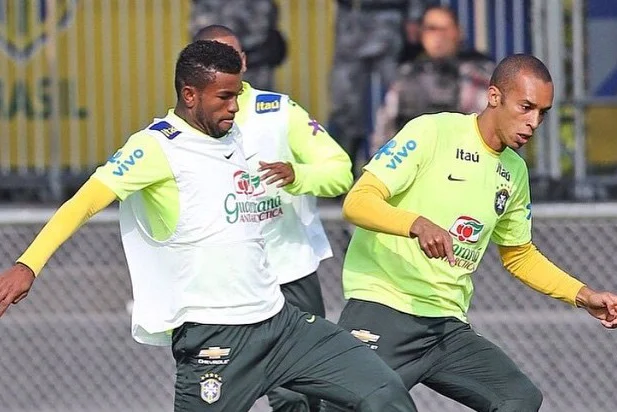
214	352
365	336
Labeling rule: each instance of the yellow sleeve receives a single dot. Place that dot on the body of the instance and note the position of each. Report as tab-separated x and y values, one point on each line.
90	199
366	206
531	267
321	166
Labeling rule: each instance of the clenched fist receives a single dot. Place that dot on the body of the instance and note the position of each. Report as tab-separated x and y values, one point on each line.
434	241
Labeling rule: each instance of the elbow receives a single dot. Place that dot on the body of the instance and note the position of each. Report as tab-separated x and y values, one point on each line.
343	182
346	182
515	258
350	206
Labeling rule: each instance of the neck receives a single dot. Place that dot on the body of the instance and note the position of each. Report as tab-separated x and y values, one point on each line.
488	131
184	114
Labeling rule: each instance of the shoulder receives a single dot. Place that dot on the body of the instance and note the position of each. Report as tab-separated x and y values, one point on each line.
141	146
514	164
163	127
142	139
422	128
267	101
450	121
440	121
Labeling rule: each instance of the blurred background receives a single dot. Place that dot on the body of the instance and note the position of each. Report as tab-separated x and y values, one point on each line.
79	76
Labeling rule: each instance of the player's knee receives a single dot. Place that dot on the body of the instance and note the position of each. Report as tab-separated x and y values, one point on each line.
524	397
391	396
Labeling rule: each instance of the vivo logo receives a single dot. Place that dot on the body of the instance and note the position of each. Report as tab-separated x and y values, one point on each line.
124	165
397	155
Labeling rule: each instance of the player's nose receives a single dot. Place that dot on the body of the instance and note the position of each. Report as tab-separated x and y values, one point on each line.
233	106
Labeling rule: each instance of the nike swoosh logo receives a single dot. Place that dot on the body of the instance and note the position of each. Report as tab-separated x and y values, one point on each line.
229	155
455	179
251	156
311	319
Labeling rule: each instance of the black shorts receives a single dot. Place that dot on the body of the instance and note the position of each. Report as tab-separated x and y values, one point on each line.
228	367
444	354
305	294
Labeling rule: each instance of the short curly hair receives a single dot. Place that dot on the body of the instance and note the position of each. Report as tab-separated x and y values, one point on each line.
199	61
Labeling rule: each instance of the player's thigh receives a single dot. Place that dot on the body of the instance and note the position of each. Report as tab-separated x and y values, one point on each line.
305	294
218	368
400	339
472	370
322	360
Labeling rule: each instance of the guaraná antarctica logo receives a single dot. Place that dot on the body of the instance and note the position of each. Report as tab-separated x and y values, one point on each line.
466	231
247	203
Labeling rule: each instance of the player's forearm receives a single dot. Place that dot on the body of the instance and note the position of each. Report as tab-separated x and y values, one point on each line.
528	265
366	207
89	200
329	179
583	295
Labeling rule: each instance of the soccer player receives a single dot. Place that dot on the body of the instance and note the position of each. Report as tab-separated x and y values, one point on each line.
427	206
197	260
297	160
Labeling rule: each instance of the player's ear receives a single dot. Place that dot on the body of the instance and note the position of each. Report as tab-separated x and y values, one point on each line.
189	96
243	56
494	96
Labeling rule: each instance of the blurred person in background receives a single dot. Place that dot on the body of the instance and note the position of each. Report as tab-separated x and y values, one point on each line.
442	78
426	208
189	221
368	40
255	22
297	160
412	46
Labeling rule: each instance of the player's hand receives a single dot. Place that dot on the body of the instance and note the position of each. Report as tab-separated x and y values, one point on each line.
281	172
15	283
600	305
434	241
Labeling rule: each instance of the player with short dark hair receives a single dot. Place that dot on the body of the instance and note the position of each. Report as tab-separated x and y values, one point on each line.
427	206
297	160
190	230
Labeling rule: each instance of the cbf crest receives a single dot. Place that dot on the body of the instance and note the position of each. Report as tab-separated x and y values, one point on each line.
211	387
24	25
501	200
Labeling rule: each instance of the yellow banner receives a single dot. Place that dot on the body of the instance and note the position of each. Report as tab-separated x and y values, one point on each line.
107	64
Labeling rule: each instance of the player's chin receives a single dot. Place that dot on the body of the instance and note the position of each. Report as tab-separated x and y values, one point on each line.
222	129
516	144
225	125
